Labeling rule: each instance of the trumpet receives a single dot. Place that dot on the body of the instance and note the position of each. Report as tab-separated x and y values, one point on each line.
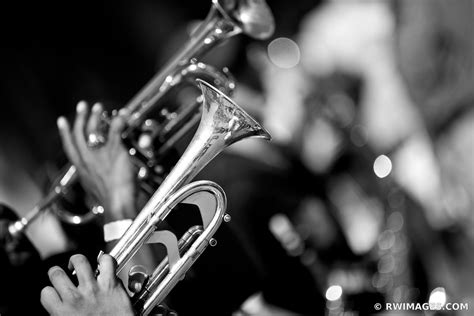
227	18
222	123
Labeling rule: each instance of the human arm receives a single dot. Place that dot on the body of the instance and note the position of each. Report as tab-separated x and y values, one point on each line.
106	172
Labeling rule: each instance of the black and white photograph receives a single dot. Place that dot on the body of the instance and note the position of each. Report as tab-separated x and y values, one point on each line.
237	157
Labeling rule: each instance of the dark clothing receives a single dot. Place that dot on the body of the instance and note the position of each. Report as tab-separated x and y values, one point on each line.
22	272
255	192
223	276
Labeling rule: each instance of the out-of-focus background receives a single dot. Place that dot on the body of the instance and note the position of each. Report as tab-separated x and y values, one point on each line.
366	193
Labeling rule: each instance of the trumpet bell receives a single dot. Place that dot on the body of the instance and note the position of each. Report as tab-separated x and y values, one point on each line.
252	16
222	123
220	113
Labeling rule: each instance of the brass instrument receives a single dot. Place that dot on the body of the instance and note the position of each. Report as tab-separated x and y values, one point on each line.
222	123
226	19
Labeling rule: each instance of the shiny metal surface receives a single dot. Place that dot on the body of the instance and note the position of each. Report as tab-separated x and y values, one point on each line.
222	123
225	19
253	16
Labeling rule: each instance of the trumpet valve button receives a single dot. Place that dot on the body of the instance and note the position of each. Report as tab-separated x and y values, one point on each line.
227	218
137	278
212	242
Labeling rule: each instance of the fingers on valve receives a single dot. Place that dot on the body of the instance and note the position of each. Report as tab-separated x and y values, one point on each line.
107	268
118	122
94	122
117	126
83	269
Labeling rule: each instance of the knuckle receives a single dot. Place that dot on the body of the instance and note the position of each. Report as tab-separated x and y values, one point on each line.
75	296
71	295
91	289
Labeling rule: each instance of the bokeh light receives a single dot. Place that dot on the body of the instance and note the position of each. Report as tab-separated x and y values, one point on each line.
333	293
284	53
437	298
382	166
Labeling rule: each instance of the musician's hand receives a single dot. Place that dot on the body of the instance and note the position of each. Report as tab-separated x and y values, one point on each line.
102	296
105	171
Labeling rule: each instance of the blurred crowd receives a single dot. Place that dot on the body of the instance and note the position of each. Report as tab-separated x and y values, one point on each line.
365	194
